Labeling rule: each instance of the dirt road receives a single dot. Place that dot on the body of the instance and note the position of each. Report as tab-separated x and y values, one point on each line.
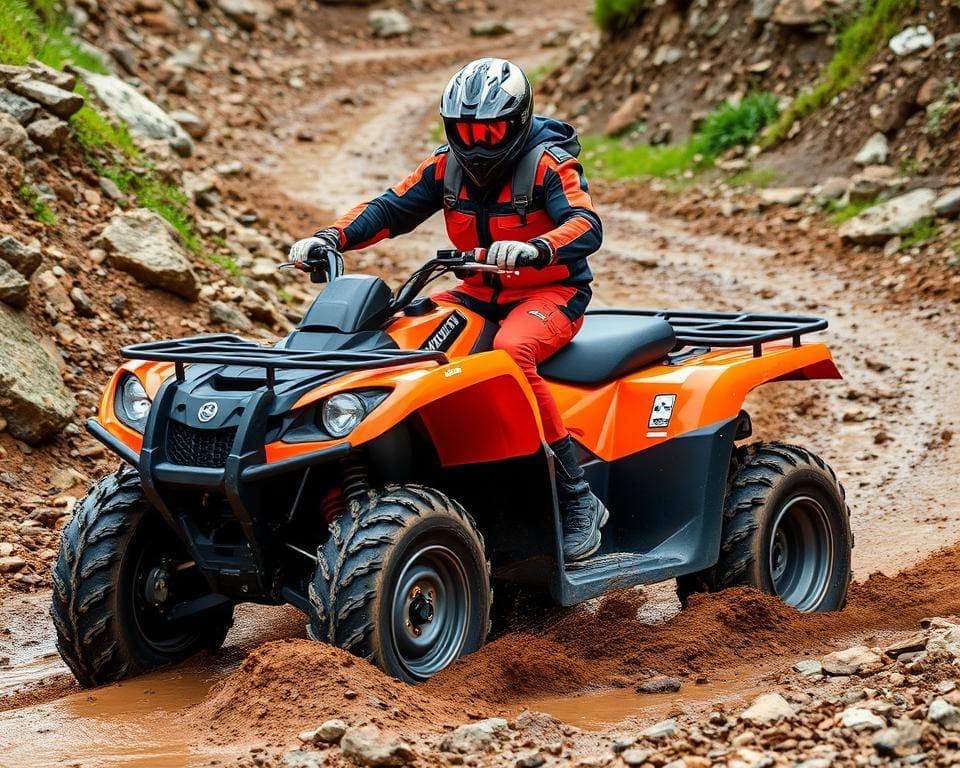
886	429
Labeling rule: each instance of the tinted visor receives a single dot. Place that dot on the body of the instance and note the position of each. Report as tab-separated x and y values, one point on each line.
472	133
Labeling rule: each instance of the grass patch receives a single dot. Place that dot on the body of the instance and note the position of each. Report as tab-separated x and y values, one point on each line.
41	211
841	213
38	30
863	32
759	179
226	263
727	126
614	15
918	234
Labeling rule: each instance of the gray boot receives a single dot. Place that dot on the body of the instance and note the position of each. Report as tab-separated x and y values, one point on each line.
581	513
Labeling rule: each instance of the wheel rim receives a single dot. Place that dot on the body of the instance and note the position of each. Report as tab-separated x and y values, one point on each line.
801	553
430	607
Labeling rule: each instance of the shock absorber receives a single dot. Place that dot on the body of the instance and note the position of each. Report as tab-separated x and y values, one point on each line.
356	479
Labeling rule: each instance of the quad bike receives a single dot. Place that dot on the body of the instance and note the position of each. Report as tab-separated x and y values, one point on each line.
379	468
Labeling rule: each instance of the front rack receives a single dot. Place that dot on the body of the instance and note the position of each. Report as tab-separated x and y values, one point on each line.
729	329
227	349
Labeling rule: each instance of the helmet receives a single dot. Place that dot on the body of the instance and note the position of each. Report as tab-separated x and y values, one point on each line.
487	110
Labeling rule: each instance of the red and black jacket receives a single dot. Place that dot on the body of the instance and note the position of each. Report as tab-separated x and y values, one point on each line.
560	215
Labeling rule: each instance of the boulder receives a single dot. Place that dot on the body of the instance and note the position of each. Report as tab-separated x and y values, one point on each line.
33	399
138	112
23	258
662	730
55	100
473	737
629	113
366	745
330	732
145	245
14	287
13	138
783	196
875	151
193	124
901	739
849	661
808	668
877	225
59	78
948	204
858	719
18	107
387	23
50	134
769	708
946	639
911	40
806	13
246	14
944	714
227	314
659	684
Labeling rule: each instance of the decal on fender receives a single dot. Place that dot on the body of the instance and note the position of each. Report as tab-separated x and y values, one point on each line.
662	411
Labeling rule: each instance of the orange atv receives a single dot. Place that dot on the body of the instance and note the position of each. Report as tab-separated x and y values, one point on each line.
379	468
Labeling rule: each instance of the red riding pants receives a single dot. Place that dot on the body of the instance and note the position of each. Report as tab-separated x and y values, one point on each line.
532	331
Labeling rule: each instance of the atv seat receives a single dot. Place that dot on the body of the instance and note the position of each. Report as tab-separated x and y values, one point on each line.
608	347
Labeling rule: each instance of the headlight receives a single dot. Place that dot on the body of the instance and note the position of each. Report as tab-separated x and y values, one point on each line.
132	404
342	414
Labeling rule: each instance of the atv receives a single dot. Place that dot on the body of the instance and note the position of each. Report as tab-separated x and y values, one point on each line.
380	469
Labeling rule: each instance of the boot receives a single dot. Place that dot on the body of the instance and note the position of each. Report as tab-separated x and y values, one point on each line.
581	513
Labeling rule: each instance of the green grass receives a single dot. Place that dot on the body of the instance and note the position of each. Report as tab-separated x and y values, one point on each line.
760	178
841	213
41	211
864	31
918	234
613	15
38	30
726	127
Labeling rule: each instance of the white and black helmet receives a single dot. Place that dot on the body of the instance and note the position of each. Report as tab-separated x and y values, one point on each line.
487	110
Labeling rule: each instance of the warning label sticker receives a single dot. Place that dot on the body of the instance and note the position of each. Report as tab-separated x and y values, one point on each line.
662	411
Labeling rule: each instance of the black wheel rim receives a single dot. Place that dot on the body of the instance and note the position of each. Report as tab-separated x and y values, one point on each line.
158	557
801	553
430	610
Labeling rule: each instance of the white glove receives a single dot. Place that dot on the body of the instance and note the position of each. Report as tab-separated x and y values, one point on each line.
310	248
510	254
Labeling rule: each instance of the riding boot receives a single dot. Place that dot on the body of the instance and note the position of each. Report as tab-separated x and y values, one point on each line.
581	513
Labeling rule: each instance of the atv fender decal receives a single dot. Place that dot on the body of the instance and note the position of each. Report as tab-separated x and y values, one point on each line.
662	411
448	332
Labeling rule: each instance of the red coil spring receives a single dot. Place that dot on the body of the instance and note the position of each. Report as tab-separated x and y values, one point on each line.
333	504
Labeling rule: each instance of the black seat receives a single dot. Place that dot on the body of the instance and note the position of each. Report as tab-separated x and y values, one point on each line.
349	304
608	347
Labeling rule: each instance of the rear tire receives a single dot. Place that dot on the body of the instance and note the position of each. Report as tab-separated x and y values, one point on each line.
403	582
786	531
106	627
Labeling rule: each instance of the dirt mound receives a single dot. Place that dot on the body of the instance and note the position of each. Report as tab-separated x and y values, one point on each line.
290	685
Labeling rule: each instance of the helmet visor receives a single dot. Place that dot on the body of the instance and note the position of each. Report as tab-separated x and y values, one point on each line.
479	133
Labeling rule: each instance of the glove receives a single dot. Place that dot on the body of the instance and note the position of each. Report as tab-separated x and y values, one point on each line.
313	248
510	254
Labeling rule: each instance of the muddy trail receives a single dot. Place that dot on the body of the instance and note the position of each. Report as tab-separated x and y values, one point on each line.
888	429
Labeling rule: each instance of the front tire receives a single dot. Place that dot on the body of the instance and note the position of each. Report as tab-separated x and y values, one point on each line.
786	531
403	582
114	582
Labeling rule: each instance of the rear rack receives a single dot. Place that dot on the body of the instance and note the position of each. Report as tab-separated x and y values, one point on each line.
729	329
227	349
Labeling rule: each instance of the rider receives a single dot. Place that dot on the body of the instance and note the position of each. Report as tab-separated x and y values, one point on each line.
541	243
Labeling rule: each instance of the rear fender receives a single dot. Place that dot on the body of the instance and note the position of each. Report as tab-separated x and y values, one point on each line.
477	409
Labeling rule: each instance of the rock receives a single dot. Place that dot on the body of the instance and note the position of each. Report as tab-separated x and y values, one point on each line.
299	758
55	100
229	315
635	756
877	225
64	478
12	564
473	737
874	152
783	196
628	114
490	28
769	708
530	761
861	719
14	287
947	639
81	302
916	642
230	168
246	14
23	258
389	23
930	91
872	181
124	56
367	746
18	107
662	730
145	245
948	204
111	190
944	714
53	293
330	732
833	188
193	124
13	138
33	399
142	116
659	684
50	134
806	13
902	739
762	10
911	40
64	80
808	668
